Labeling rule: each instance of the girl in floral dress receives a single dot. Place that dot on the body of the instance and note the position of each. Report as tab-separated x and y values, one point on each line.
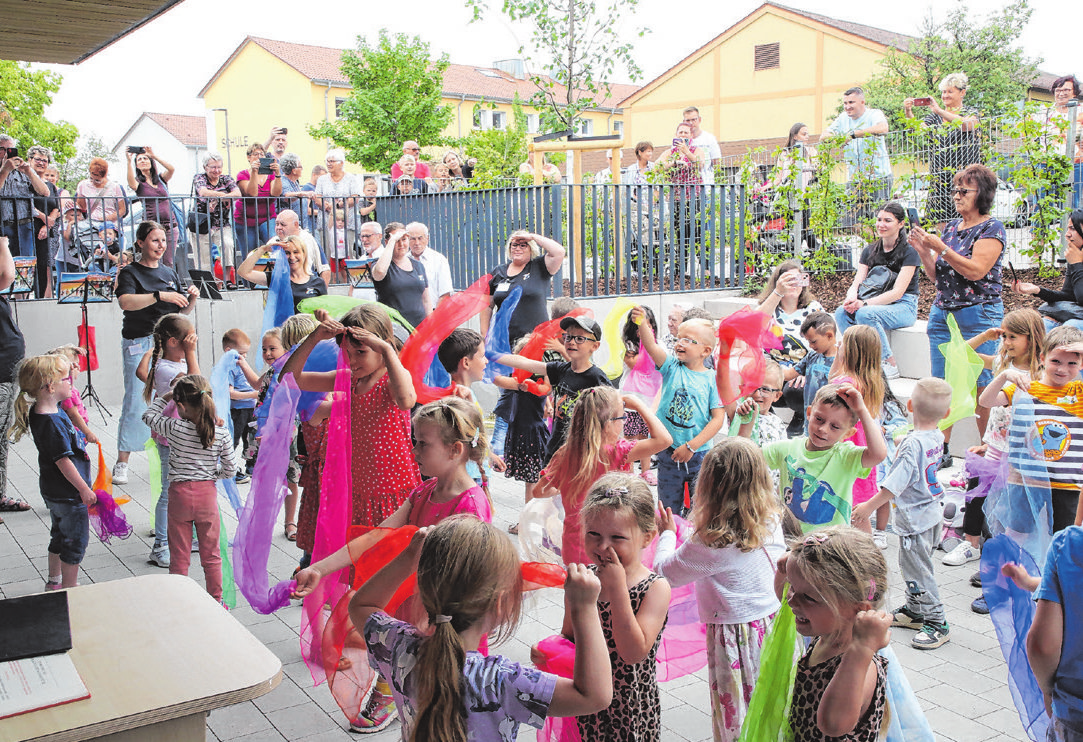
731	558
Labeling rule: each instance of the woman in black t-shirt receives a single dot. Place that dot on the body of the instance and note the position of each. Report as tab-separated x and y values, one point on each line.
146	290
400	280
533	260
884	293
304	283
12	349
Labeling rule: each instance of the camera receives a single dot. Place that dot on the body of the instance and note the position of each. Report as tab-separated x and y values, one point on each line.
12	152
265	165
136	150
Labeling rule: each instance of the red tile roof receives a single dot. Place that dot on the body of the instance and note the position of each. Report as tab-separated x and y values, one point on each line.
190	131
323	64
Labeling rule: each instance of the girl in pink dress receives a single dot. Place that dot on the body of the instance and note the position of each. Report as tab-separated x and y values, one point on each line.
595	445
383	471
858	363
448	432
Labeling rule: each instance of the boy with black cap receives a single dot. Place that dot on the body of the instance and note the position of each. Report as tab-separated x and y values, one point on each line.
582	336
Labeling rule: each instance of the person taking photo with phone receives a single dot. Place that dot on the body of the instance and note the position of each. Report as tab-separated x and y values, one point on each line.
254	213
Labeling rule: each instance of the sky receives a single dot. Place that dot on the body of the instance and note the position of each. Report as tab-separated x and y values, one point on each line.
162	66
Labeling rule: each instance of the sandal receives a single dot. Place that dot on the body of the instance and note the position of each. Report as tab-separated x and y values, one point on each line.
11	505
514	529
291	535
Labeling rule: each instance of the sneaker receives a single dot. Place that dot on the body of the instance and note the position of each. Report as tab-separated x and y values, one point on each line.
945	461
891	370
931	636
378	714
964	552
53	585
905	618
242	478
880	538
120	472
975	579
159	556
980	606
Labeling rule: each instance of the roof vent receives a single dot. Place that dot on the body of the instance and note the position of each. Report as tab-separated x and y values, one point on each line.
514	67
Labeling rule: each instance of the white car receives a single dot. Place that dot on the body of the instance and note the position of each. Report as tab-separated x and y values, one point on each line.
1009	206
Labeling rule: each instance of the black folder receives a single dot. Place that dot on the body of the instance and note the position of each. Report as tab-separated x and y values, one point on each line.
34	625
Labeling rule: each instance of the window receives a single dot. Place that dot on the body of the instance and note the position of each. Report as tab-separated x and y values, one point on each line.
338	107
585	127
481	118
500	120
533	123
766	57
618	128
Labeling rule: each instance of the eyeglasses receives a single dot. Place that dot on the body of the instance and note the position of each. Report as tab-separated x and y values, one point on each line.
520	244
577	339
614	419
413	149
688	340
768	390
39	160
963	191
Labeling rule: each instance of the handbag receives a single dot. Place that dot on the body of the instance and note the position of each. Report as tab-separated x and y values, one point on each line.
199	221
879	281
1061	311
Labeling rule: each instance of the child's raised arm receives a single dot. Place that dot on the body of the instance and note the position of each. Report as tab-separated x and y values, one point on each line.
875	445
590	688
527	364
658	438
994	396
142	371
656	351
191	346
400	381
848	695
249	374
313	381
980	339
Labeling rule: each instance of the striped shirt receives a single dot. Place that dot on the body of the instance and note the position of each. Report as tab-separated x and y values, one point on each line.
189	461
1045	439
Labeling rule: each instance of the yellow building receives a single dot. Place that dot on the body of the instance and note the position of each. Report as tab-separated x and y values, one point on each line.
267	83
771	69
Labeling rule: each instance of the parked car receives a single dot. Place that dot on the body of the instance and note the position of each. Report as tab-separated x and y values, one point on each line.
1009	205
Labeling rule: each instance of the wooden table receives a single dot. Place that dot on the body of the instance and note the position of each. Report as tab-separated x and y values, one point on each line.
157	653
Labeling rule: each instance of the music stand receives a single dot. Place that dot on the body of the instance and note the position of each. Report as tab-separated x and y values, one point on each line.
360	272
23	283
83	289
208	285
267	264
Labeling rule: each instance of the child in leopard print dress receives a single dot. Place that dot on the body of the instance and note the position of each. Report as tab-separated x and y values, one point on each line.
837	582
618	523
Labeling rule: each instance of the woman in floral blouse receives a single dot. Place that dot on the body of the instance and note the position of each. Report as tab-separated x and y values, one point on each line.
965	263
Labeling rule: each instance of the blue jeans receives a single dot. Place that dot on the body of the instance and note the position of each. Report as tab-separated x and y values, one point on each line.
972	320
21	238
69	533
161	508
1077	186
251	237
132	433
903	313
500	432
672	477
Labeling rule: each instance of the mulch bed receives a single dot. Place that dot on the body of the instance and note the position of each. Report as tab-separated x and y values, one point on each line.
831	290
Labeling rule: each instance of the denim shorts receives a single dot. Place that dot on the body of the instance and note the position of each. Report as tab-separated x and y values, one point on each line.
672	478
70	532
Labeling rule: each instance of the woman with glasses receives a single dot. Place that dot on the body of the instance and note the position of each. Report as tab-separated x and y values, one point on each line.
214	191
152	187
254	213
46	221
965	264
338	192
400	280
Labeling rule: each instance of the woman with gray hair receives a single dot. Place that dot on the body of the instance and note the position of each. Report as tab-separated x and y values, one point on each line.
46	221
953	130
337	192
214	191
291	174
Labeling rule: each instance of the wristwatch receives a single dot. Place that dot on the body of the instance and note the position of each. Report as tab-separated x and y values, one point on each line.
157	296
853	134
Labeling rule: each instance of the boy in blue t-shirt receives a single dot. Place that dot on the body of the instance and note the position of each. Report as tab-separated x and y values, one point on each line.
689	406
242	397
811	372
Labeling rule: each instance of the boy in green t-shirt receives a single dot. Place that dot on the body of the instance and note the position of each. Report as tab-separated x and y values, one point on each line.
817	471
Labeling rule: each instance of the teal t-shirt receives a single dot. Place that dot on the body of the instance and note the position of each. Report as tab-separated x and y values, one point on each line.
687	400
817	486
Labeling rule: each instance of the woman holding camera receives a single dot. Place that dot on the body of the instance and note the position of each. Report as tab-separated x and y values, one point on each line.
152	188
254	213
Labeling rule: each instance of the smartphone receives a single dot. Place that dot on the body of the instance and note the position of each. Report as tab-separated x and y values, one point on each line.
803	280
1015	278
923	101
12	152
283	130
136	150
912	217
265	165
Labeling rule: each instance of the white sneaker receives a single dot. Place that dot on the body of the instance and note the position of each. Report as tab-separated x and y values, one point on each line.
962	554
159	556
120	472
880	538
891	370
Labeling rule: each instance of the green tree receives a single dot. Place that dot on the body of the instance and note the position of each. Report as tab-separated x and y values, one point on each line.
499	152
989	53
396	97
73	169
580	44
24	95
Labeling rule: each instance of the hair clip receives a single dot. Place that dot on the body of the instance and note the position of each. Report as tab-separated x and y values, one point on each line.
477	434
441	618
872	590
815	538
616	491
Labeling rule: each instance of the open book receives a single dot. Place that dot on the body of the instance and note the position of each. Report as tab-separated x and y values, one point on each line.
39	682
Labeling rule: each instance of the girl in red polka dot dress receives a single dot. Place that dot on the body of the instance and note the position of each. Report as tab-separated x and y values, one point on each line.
383	468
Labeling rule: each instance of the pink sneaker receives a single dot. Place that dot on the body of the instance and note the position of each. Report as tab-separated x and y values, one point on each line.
378	714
